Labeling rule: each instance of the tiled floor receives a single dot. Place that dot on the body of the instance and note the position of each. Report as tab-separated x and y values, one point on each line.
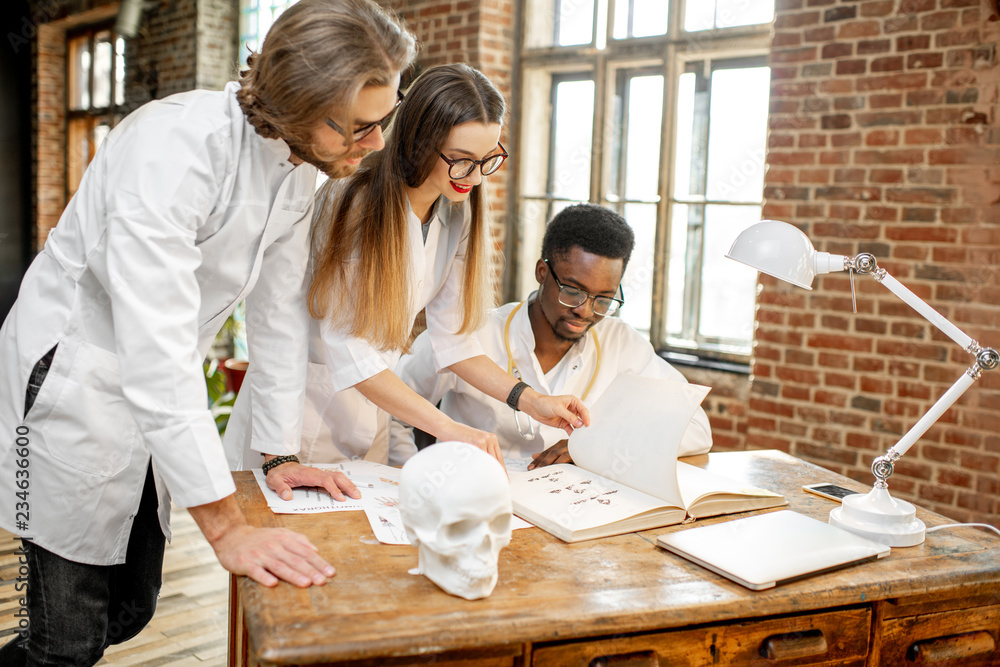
189	627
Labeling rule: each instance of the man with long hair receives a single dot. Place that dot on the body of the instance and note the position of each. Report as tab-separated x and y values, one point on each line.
192	204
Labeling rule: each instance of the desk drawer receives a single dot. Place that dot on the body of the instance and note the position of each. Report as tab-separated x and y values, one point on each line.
830	638
959	638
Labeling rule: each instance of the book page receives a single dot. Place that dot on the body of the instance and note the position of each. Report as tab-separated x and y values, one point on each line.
696	484
635	432
574	498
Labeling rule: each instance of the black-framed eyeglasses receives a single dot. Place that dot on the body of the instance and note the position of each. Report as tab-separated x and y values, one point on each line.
365	130
574	297
463	167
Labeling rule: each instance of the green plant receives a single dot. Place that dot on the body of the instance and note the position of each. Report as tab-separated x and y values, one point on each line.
229	342
220	401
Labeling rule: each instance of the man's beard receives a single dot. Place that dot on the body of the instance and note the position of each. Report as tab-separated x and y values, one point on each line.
552	325
336	168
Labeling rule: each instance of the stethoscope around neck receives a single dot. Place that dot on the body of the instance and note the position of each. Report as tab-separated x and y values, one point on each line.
512	369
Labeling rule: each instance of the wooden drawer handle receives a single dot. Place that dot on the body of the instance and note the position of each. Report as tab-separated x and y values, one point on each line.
794	645
955	647
638	659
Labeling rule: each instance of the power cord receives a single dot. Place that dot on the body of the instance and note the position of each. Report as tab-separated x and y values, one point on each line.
965	525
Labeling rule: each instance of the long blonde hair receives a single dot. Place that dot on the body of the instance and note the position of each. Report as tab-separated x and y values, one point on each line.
320	54
361	267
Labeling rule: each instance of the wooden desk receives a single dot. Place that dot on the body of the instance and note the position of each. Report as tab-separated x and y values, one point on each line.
626	599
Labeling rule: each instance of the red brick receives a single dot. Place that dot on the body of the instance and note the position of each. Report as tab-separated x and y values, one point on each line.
783	38
902	156
835	342
879	8
788	20
882	138
795	392
802	54
902	22
845	139
867	47
938	454
859	29
849	67
936	493
922	135
938	21
980	462
838	50
916	98
950	477
888	64
823	34
956	38
913	42
963	135
810	140
886	101
893	81
924	60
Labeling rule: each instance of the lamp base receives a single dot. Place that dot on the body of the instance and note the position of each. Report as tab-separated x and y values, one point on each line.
880	518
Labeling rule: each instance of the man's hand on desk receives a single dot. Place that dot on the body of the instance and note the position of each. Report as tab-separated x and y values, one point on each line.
287	476
263	554
269	554
557	453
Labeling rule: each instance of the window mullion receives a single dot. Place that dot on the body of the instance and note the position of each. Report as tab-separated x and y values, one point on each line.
696	232
664	215
598	135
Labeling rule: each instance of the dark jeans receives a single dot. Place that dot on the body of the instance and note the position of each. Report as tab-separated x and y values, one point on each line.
76	610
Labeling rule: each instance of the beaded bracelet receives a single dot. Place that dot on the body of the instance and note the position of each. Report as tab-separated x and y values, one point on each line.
277	461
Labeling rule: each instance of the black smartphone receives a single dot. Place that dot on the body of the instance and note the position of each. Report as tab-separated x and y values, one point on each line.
829	491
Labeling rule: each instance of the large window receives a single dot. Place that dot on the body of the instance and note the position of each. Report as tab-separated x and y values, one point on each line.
256	17
658	110
95	92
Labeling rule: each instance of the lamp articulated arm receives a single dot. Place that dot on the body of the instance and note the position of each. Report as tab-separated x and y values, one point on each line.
986	359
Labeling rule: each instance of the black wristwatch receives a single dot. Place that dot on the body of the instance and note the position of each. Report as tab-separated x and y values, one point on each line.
515	394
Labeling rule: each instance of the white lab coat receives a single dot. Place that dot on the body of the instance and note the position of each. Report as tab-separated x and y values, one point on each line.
184	212
339	422
623	350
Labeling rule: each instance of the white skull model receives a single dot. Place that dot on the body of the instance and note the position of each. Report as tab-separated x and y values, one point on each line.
455	502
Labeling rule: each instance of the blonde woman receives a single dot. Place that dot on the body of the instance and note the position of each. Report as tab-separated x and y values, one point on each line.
408	232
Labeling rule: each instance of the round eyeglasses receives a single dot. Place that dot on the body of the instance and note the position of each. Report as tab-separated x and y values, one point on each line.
573	297
461	168
365	130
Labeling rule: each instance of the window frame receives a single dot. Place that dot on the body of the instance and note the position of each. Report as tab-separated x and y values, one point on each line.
246	9
111	114
605	57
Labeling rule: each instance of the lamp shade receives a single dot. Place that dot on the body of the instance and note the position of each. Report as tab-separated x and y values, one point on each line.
781	250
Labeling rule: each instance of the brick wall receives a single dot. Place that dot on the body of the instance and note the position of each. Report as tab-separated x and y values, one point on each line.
726	405
884	138
479	33
48	124
217	40
181	44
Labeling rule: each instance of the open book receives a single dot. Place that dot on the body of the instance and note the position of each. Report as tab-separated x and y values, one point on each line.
626	476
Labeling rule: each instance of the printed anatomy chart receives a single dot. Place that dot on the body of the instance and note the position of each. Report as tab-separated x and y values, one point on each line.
379	487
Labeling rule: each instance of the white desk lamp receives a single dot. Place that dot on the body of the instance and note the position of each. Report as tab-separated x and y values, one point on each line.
783	251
